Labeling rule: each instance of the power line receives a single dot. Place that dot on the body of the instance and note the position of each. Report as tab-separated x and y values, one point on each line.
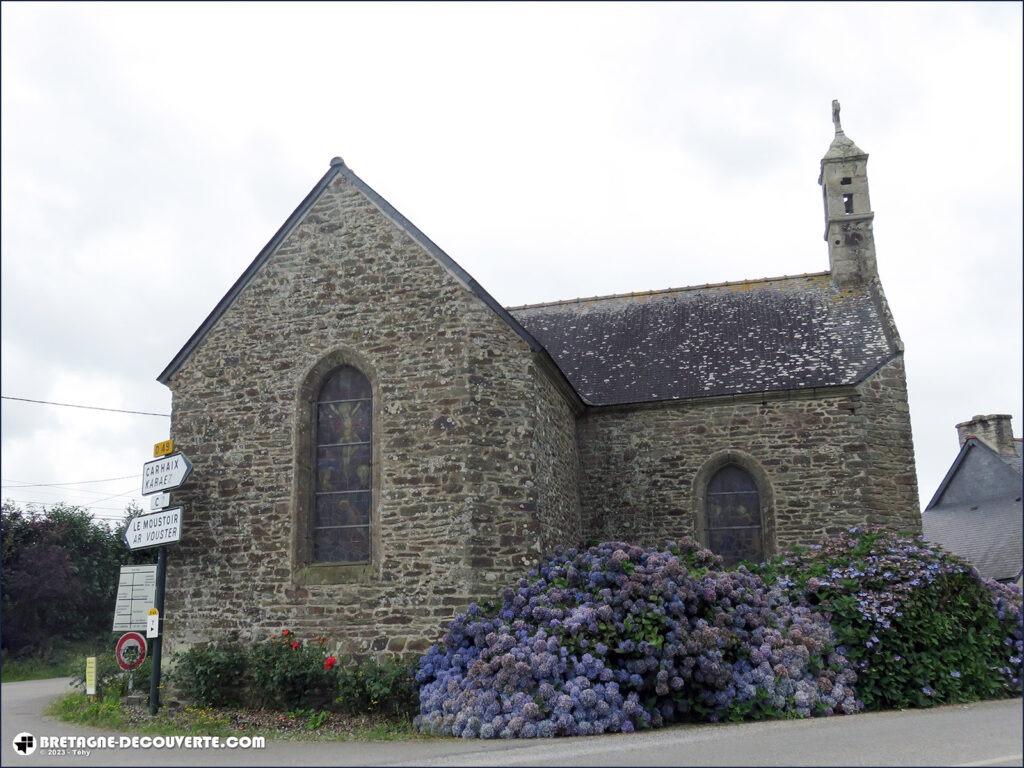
24	484
70	504
92	502
87	407
61	494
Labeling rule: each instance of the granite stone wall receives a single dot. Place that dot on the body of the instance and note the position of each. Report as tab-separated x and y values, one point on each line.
830	460
474	470
482	462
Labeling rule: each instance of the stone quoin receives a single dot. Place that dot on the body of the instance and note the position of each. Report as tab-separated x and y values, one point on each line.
377	441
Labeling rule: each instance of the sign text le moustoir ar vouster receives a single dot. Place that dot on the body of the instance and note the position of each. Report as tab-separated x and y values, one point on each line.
154	530
165	473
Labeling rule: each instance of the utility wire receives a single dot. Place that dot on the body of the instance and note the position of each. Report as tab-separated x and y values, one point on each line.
92	502
87	407
52	503
24	484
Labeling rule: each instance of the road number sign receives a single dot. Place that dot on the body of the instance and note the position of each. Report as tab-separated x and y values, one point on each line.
153	623
165	473
154	530
159	501
136	594
130	651
163	448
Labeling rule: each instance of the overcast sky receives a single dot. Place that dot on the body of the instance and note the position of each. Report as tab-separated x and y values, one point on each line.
554	151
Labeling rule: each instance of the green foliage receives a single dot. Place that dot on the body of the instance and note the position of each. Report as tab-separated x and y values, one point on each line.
285	673
377	686
62	660
919	624
59	577
312	720
288	674
111	680
214	674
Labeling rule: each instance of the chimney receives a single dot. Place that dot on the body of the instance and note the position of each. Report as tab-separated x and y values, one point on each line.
994	430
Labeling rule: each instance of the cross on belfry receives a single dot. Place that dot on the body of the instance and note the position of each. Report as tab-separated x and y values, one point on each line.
835	116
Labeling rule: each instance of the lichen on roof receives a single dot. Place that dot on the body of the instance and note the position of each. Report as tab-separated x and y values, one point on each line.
772	334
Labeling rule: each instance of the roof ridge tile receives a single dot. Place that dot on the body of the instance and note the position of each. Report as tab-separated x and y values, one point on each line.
660	291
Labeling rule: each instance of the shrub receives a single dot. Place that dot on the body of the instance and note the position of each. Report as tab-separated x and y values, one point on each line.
377	686
1006	600
79	557
618	637
287	673
111	680
918	623
213	675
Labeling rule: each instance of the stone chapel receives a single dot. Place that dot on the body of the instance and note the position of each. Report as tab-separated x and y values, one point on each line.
377	441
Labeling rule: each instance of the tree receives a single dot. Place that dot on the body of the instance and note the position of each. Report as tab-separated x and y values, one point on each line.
59	576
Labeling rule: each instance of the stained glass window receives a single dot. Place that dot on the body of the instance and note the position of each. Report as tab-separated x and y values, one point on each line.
734	516
340	521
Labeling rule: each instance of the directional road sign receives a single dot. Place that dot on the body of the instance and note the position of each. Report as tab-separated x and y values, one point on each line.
154	530
165	473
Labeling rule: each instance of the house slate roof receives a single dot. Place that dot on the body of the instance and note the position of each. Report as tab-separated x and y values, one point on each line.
976	510
1015	461
787	333
988	533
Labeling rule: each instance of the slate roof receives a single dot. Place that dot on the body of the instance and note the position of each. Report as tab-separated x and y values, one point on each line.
731	338
987	533
1015	461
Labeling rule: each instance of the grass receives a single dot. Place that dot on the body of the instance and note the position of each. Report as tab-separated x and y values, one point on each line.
62	662
110	713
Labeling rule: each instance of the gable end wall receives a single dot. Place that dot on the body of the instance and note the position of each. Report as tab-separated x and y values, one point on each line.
465	425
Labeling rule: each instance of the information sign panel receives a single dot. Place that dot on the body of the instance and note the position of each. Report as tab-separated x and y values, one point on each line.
136	594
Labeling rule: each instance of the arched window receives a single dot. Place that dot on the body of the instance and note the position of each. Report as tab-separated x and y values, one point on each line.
734	525
340	523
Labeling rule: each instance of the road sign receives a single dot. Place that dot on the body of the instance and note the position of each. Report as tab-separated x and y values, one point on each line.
136	594
163	448
159	501
130	651
153	623
90	676
154	530
165	473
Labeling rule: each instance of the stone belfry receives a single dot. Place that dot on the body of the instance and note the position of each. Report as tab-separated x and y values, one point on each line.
848	216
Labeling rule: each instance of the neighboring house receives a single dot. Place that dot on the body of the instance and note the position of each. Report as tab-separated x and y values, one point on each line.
377	441
976	511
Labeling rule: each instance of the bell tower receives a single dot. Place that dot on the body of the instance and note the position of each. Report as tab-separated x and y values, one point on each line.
848	215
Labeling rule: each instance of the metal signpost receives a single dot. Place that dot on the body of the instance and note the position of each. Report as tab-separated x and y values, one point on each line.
169	470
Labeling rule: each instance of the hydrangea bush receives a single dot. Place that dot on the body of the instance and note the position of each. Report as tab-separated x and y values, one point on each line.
1006	599
618	637
920	625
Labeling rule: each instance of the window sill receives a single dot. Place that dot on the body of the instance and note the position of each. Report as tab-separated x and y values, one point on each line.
334	573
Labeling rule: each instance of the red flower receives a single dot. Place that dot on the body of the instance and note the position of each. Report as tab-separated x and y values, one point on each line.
329	662
295	645
285	632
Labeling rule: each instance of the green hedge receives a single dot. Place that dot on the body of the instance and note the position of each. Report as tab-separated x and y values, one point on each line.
288	673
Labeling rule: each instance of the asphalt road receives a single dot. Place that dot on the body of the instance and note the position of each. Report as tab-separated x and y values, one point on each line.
983	734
